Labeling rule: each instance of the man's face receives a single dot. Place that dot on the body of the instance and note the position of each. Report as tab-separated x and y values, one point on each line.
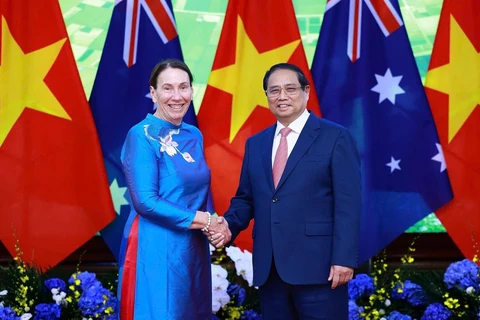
286	99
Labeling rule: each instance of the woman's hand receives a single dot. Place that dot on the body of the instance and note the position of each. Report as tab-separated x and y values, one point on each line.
218	233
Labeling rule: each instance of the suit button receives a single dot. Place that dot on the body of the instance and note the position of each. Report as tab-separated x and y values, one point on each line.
274	200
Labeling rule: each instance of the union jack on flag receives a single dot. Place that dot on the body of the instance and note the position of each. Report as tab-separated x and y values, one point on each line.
159	15
386	16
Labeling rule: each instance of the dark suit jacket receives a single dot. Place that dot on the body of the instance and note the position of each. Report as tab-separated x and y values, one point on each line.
312	220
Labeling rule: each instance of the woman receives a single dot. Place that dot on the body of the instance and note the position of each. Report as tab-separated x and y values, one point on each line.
165	260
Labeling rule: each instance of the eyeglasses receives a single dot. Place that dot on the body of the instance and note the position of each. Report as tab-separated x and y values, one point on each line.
289	91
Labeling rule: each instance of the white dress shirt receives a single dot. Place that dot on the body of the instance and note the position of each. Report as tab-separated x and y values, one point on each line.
292	137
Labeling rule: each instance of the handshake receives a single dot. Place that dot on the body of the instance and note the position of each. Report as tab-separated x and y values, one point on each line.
217	231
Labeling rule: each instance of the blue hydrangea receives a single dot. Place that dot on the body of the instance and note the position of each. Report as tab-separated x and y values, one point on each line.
87	279
436	311
56	283
96	299
91	300
362	285
354	311
462	274
234	290
250	315
395	315
6	313
242	294
47	311
111	301
410	292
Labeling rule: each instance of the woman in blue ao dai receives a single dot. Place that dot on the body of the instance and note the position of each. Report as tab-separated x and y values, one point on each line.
165	260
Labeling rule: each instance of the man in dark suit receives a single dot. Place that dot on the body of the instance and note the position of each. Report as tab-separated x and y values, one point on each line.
301	182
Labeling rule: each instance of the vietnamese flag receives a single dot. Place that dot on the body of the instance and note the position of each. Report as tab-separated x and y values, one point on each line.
255	36
453	89
54	194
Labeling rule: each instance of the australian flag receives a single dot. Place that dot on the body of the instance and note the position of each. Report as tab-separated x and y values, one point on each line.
141	34
367	80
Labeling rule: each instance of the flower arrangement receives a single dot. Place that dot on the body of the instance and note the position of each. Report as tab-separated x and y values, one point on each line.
400	294
28	293
233	296
406	293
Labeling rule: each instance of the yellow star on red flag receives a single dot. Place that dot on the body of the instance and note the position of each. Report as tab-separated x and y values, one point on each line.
22	82
460	79
246	75
55	193
453	90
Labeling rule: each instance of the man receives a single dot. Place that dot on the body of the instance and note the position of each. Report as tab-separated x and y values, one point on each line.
306	210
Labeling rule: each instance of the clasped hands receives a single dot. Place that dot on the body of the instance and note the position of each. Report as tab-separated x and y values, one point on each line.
218	233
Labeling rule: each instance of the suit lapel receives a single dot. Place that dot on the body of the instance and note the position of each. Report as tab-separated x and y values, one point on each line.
267	145
308	135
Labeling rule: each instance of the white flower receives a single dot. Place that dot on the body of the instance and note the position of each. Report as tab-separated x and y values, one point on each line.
54	291
59	298
234	253
3	293
26	316
219	283
218	271
387	303
243	262
383	318
219	278
470	290
381	312
219	299
245	269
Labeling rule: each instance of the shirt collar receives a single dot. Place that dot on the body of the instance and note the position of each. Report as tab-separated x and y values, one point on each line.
296	125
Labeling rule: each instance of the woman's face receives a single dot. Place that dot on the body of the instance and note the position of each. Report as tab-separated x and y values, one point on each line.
172	95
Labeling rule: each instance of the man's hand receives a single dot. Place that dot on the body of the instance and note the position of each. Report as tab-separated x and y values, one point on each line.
340	275
219	233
